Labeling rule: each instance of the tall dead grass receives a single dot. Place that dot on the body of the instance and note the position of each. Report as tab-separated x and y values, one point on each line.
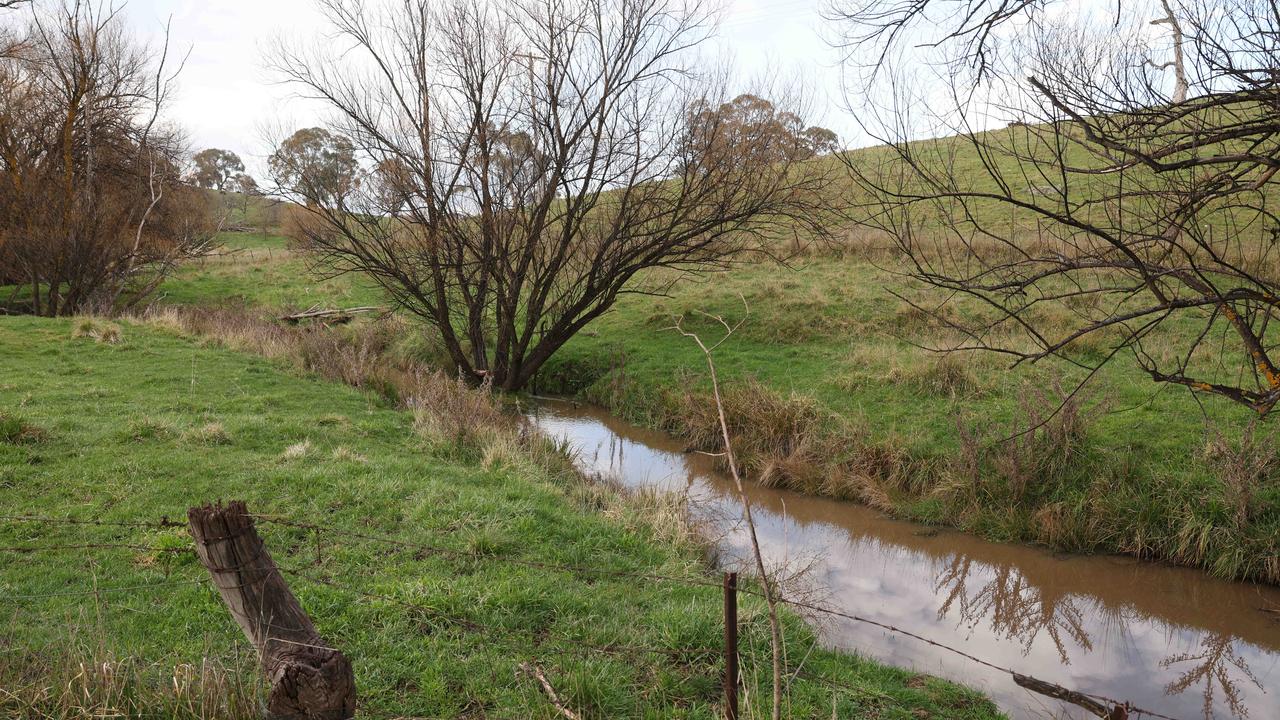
792	442
74	682
1042	445
1247	467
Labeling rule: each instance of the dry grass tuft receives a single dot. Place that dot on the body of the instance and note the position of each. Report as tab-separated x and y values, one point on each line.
150	429
1044	444
777	438
1244	467
342	454
946	375
100	331
209	434
297	451
71	683
912	321
449	411
14	430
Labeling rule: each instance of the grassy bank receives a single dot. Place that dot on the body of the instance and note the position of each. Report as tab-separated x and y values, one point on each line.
126	421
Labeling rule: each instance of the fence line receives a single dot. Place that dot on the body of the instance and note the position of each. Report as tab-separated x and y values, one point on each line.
104	590
93	546
454	552
1027	682
163	522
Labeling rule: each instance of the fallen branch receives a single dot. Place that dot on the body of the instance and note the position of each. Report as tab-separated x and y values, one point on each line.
337	315
536	672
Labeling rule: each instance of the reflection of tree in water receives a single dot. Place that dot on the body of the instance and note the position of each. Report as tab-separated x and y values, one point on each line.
1213	663
1018	609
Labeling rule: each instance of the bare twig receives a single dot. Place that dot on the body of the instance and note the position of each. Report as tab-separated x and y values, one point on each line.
775	626
536	672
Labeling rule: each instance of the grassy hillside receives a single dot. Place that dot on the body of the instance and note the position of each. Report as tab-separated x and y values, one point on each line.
134	421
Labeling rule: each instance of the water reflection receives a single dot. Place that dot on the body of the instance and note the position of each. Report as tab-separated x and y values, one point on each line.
1212	667
1013	607
1168	639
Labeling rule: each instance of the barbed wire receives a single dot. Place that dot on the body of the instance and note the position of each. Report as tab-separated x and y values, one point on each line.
163	522
463	554
93	546
691	582
104	590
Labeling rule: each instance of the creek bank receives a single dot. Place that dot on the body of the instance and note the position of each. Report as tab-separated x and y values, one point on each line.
1054	487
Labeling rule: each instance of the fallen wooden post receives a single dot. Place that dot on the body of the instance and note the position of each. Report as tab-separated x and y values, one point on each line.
1057	692
309	679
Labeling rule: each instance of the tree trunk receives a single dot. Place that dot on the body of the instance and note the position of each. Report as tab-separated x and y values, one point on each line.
309	679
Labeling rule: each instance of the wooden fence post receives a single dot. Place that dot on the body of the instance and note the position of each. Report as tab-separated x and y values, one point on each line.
309	679
731	646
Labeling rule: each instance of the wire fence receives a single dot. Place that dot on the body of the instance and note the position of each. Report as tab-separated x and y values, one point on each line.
542	643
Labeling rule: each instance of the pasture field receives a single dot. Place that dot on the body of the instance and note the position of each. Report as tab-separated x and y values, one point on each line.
134	420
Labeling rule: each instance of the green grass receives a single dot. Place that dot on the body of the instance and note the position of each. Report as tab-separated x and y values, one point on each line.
151	422
259	269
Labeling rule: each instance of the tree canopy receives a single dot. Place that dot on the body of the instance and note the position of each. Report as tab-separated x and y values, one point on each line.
214	168
528	161
316	164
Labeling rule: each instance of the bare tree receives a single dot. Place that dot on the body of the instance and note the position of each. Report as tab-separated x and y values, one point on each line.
92	212
525	161
1122	204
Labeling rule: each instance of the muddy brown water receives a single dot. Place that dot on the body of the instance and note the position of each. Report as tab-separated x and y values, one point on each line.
1172	640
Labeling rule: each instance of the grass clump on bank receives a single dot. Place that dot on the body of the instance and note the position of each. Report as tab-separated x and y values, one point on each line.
177	421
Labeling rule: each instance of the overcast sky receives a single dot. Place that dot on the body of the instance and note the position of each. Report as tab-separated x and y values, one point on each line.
225	98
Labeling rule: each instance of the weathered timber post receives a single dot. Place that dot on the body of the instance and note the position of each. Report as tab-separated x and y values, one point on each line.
309	679
731	646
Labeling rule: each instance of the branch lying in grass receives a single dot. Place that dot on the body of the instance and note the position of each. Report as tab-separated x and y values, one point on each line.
335	315
775	627
536	672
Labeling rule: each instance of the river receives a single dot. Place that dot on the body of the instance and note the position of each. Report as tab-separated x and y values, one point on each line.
1168	639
